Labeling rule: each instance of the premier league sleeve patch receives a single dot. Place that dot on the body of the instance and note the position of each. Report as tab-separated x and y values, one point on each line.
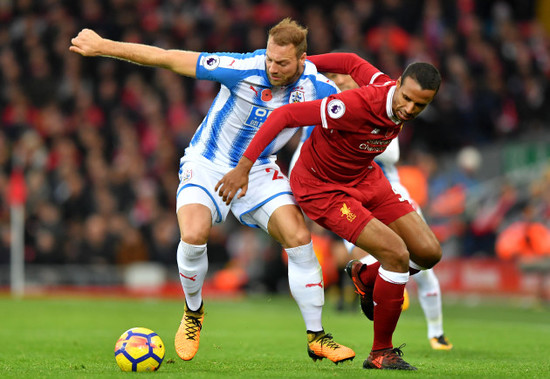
336	108
211	62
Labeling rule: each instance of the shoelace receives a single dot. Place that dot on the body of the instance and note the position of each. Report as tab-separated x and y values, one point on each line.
193	325
393	357
398	351
327	341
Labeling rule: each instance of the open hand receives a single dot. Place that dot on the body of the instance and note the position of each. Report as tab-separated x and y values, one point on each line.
232	182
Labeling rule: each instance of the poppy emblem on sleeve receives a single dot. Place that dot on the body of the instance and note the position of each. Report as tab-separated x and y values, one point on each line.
336	108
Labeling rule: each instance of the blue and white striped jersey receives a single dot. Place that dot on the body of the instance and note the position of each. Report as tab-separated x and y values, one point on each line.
245	99
388	160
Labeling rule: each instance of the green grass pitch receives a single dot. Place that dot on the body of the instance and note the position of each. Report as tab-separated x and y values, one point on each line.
263	337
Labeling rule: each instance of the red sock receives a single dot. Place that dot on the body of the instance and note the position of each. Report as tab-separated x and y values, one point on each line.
388	299
369	273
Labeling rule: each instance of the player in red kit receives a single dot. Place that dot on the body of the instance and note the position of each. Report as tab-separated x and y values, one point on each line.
339	186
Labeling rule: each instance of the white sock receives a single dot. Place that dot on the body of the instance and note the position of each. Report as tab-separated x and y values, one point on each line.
415	266
306	284
368	259
393	277
192	266
429	296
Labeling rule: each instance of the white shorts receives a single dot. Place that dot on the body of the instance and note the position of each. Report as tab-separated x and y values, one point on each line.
401	190
268	190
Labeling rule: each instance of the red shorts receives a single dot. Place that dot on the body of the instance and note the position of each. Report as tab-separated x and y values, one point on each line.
346	209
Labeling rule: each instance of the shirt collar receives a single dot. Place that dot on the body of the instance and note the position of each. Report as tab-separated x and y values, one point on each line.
389	110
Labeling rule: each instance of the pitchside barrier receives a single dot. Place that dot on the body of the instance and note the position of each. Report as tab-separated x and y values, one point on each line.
457	276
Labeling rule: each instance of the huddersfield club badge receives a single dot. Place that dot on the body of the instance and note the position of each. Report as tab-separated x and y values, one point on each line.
186	175
297	96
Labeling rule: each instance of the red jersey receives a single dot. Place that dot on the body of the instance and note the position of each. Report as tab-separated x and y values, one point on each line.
348	63
356	125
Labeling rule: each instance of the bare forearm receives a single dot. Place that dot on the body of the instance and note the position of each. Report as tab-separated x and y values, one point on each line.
88	43
133	52
245	165
182	62
346	63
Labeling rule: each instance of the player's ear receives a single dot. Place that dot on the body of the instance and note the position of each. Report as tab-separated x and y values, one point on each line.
302	58
398	81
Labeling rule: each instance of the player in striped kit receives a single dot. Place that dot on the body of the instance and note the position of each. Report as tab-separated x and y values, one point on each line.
252	85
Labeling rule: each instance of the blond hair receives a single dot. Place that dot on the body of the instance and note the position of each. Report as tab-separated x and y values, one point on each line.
289	32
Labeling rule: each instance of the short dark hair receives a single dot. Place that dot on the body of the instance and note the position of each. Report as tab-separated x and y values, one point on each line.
424	74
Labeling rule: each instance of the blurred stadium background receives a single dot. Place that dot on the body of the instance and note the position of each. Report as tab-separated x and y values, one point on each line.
89	147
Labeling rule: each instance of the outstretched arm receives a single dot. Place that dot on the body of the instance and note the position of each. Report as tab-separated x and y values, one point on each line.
90	44
288	116
360	70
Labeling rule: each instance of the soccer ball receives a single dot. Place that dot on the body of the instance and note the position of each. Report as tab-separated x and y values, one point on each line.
139	349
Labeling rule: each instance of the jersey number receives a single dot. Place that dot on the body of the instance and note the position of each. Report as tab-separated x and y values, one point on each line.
276	174
401	198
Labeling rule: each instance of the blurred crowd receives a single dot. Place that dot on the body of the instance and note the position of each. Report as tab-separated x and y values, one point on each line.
99	140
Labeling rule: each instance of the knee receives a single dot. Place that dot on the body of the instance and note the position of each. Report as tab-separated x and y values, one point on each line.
289	228
195	236
299	237
436	256
394	257
431	253
398	260
195	222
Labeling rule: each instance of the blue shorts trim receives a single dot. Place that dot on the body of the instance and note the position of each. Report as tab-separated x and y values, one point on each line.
219	218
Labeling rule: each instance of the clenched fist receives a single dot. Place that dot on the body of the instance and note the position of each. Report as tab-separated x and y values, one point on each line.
87	43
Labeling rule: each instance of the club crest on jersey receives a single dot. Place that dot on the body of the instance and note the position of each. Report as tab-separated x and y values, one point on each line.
336	108
346	211
297	96
186	175
211	62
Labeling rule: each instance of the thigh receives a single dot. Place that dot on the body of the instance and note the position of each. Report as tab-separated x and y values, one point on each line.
268	189
197	183
421	242
385	245
195	222
288	227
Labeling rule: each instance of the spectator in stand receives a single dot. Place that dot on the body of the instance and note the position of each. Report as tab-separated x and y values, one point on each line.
493	55
524	241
